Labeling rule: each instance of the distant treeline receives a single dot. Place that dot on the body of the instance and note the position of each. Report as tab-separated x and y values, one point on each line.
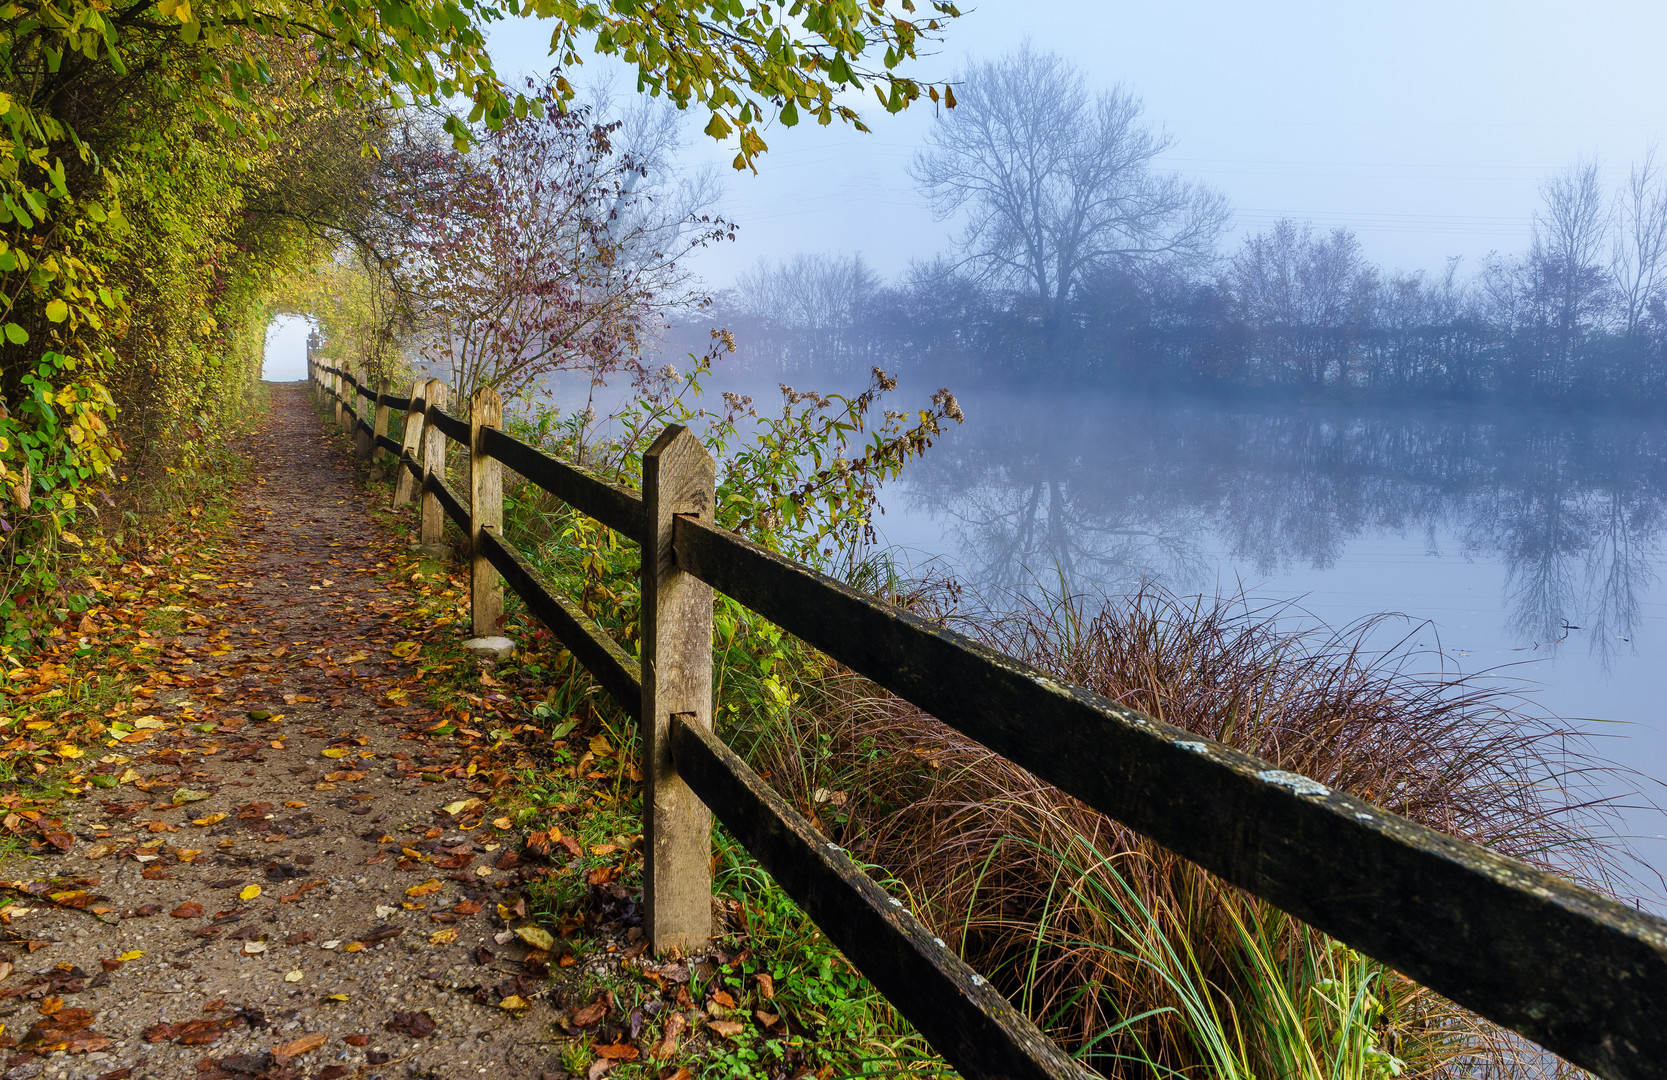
1078	261
1500	333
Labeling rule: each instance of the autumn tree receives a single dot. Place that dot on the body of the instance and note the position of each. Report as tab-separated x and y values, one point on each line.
549	247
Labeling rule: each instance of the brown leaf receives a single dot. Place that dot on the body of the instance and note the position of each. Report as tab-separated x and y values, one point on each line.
418	1025
616	1051
667	1046
766	987
727	1028
590	1014
296	1047
188	910
356	1039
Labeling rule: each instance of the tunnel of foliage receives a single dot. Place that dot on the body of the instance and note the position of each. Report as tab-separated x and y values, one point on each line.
173	173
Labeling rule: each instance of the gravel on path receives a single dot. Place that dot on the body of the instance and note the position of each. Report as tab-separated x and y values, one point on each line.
275	891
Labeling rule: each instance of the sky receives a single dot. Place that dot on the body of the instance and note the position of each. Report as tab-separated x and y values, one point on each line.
1425	127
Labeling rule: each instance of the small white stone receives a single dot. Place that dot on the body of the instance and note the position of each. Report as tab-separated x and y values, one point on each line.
496	647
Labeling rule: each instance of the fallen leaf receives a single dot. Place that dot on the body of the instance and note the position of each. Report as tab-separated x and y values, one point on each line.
590	1014
537	937
131	955
442	937
212	819
418	1025
189	795
429	886
294	976
250	948
188	910
617	1051
249	892
667	1046
285	1051
727	1028
515	1003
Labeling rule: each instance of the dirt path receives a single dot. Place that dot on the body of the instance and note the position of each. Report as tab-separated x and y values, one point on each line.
299	940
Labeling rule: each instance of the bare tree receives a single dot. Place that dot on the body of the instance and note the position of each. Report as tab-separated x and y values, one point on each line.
808	312
1569	232
1638	250
1305	298
1057	181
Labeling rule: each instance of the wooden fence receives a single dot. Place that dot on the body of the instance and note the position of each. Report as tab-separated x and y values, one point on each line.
1574	971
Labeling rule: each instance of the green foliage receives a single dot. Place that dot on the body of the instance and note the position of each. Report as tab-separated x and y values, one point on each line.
167	163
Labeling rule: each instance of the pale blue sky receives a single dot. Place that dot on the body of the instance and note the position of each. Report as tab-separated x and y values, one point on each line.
1425	126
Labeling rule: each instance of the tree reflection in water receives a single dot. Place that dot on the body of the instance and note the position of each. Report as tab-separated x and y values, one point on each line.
1108	492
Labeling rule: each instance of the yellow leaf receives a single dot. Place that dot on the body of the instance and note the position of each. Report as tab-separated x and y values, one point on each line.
335	752
536	936
354	659
354	946
515	1003
131	954
443	937
249	892
405	648
69	751
429	886
336	997
212	819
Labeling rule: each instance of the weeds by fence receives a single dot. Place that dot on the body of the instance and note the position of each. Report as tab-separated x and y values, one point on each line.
1577	972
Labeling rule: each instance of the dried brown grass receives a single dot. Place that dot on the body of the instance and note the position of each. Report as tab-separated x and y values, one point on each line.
1015	874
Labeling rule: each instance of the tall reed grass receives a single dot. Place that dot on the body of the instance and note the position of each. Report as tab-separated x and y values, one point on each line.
1139	960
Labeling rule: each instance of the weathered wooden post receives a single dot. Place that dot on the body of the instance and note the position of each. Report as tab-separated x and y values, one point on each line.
361	429
405	485
383	388
430	541
336	396
350	400
678	478
486	511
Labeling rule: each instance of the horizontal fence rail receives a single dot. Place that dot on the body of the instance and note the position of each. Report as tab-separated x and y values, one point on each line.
619	508
1573	970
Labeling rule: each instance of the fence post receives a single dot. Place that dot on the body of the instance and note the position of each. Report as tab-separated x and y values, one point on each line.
430	540
336	396
678	477
383	386
405	485
350	401
362	443
486	510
